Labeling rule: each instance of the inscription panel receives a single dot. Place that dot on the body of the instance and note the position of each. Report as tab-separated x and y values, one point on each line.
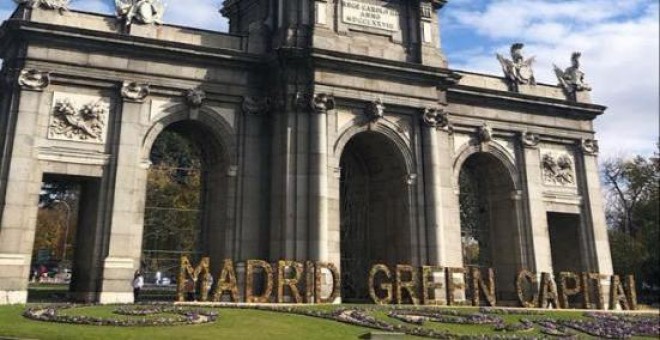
370	15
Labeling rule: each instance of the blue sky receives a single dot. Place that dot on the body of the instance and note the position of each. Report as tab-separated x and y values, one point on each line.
618	38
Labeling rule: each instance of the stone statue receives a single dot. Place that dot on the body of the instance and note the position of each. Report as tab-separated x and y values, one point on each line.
142	11
61	5
572	79
517	70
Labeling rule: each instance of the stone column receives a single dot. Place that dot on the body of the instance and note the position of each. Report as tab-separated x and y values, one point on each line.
534	232
125	239
318	176
22	176
432	186
597	242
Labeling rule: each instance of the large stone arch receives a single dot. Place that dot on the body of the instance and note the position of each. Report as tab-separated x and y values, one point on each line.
374	202
220	178
496	226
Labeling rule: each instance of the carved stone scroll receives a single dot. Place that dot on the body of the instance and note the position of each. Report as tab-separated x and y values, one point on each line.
134	91
34	79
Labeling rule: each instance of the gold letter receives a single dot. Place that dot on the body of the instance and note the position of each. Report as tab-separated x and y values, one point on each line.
548	291
406	285
617	294
336	282
453	286
427	273
291	282
187	271
479	286
226	283
249	278
525	275
387	287
565	291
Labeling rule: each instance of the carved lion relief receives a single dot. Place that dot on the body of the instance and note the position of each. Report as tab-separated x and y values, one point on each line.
78	118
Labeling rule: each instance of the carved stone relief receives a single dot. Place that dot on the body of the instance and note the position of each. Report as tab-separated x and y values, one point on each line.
322	102
33	79
60	5
78	118
195	98
558	168
436	118
256	105
485	134
135	91
530	140
589	146
375	110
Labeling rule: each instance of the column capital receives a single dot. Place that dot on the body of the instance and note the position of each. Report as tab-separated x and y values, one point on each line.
322	103
436	118
530	139
34	80
589	147
134	91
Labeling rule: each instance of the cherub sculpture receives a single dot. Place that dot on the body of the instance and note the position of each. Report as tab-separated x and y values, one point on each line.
144	11
572	79
517	70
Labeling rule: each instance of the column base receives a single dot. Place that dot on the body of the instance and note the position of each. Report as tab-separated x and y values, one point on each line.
117	281
18	297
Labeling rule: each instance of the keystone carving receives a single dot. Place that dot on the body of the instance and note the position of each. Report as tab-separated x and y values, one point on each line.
572	79
530	139
435	118
86	123
256	105
34	79
375	110
195	97
60	5
485	133
558	170
517	70
322	102
135	91
589	146
141	11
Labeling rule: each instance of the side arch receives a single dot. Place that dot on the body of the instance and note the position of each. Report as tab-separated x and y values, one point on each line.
492	149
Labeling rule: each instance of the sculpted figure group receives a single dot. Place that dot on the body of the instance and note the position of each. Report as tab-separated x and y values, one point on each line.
518	71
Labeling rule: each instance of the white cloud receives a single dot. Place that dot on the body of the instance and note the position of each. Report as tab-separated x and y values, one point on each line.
620	56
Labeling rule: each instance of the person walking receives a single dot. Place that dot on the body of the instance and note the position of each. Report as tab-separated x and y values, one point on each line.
138	282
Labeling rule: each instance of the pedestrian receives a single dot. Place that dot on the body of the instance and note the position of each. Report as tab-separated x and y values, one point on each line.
209	283
138	282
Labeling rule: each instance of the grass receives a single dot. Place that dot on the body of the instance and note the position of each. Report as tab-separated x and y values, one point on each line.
242	324
232	324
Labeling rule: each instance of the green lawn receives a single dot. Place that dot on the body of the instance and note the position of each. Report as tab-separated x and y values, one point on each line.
242	324
232	324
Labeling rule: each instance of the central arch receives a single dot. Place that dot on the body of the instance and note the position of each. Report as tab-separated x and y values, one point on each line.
374	210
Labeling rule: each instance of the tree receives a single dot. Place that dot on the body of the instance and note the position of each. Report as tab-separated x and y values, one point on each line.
633	197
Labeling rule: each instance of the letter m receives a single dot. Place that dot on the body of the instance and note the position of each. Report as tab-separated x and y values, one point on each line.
187	271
